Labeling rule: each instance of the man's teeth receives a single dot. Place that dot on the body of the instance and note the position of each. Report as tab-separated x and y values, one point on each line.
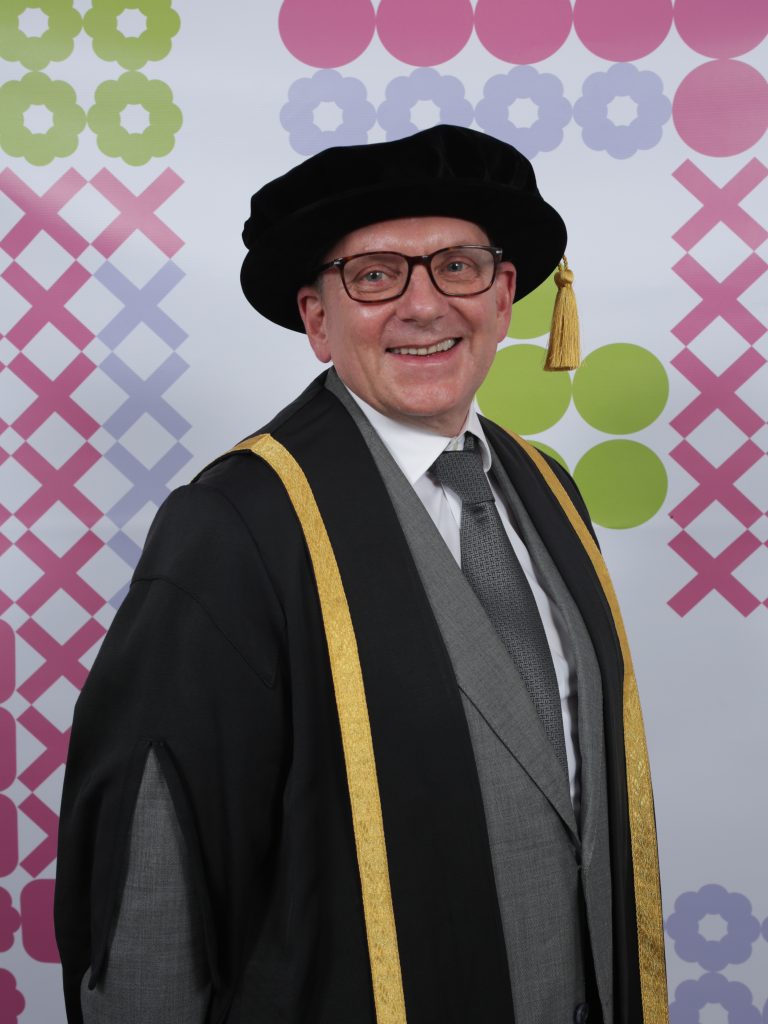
441	346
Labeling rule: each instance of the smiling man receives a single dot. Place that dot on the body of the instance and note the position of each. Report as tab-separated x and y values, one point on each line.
354	747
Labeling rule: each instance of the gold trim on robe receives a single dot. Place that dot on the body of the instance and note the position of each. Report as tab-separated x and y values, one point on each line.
642	823
357	742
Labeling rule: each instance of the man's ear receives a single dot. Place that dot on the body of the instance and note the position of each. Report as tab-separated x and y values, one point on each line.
506	281
312	311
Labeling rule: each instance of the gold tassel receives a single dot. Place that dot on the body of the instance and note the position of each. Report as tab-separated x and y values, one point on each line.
563	352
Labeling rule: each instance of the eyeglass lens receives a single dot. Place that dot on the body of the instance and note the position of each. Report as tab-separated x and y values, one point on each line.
464	270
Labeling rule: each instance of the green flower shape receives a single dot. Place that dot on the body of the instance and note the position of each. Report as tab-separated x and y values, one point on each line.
34	52
39	147
132	52
135	148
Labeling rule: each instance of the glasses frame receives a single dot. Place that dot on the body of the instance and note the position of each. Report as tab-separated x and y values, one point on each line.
412	261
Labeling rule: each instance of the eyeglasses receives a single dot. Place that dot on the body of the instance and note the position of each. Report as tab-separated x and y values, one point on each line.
380	276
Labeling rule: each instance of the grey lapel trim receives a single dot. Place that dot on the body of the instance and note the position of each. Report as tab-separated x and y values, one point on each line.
491	682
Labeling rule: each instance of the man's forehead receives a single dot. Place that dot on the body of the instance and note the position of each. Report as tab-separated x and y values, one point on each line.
405	233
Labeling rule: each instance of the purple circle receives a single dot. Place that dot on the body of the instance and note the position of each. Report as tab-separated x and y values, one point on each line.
735	947
721	108
445	91
306	94
715	989
622	141
721	28
544	90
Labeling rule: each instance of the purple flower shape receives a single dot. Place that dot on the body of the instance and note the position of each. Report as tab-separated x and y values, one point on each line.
326	86
735	947
544	90
10	920
445	91
692	996
622	140
11	1000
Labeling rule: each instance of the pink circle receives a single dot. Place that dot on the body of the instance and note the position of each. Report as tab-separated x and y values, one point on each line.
37	934
622	29
522	31
722	28
326	33
424	32
7	748
9	836
721	108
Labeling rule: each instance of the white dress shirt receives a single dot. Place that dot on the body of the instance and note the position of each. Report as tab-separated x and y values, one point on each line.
414	451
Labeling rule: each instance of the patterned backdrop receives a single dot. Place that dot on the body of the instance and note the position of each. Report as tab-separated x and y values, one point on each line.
132	134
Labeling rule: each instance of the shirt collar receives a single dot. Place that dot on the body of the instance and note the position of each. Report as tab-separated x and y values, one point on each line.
414	449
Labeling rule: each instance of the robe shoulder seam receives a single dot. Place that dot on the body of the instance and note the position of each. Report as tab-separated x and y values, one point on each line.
150	578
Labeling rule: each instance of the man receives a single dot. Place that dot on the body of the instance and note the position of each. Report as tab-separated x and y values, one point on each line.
361	722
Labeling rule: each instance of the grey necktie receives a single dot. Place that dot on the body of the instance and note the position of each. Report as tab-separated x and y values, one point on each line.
492	569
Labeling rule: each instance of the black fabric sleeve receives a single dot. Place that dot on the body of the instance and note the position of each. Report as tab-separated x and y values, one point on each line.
190	668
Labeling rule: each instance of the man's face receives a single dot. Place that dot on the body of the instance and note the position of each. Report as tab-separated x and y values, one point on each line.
367	341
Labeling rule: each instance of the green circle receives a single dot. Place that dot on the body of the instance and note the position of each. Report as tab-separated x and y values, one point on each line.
620	388
135	148
532	316
55	43
132	52
623	483
520	395
551	452
39	148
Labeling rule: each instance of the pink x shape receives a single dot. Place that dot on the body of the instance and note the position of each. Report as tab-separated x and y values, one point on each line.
719	298
60	573
60	659
718	392
54	742
45	852
721	205
714	572
48	306
41	213
716	483
57	484
137	212
53	395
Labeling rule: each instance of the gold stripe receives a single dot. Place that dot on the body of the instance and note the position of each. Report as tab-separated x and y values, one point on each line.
356	737
645	864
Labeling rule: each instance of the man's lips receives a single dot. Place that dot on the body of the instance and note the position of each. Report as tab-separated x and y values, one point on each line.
425	350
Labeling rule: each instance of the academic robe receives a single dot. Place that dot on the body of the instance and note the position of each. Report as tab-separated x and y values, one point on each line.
218	660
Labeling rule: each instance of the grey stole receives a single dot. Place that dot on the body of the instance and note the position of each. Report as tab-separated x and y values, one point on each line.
539	854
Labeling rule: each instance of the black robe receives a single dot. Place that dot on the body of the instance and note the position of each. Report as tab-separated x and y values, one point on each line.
217	659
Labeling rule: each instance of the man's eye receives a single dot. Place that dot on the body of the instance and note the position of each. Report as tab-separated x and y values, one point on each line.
373	276
456	266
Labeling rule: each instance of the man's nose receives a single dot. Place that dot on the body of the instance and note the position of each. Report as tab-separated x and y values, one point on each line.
421	300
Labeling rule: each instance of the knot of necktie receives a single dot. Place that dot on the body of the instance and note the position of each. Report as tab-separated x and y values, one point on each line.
463	473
